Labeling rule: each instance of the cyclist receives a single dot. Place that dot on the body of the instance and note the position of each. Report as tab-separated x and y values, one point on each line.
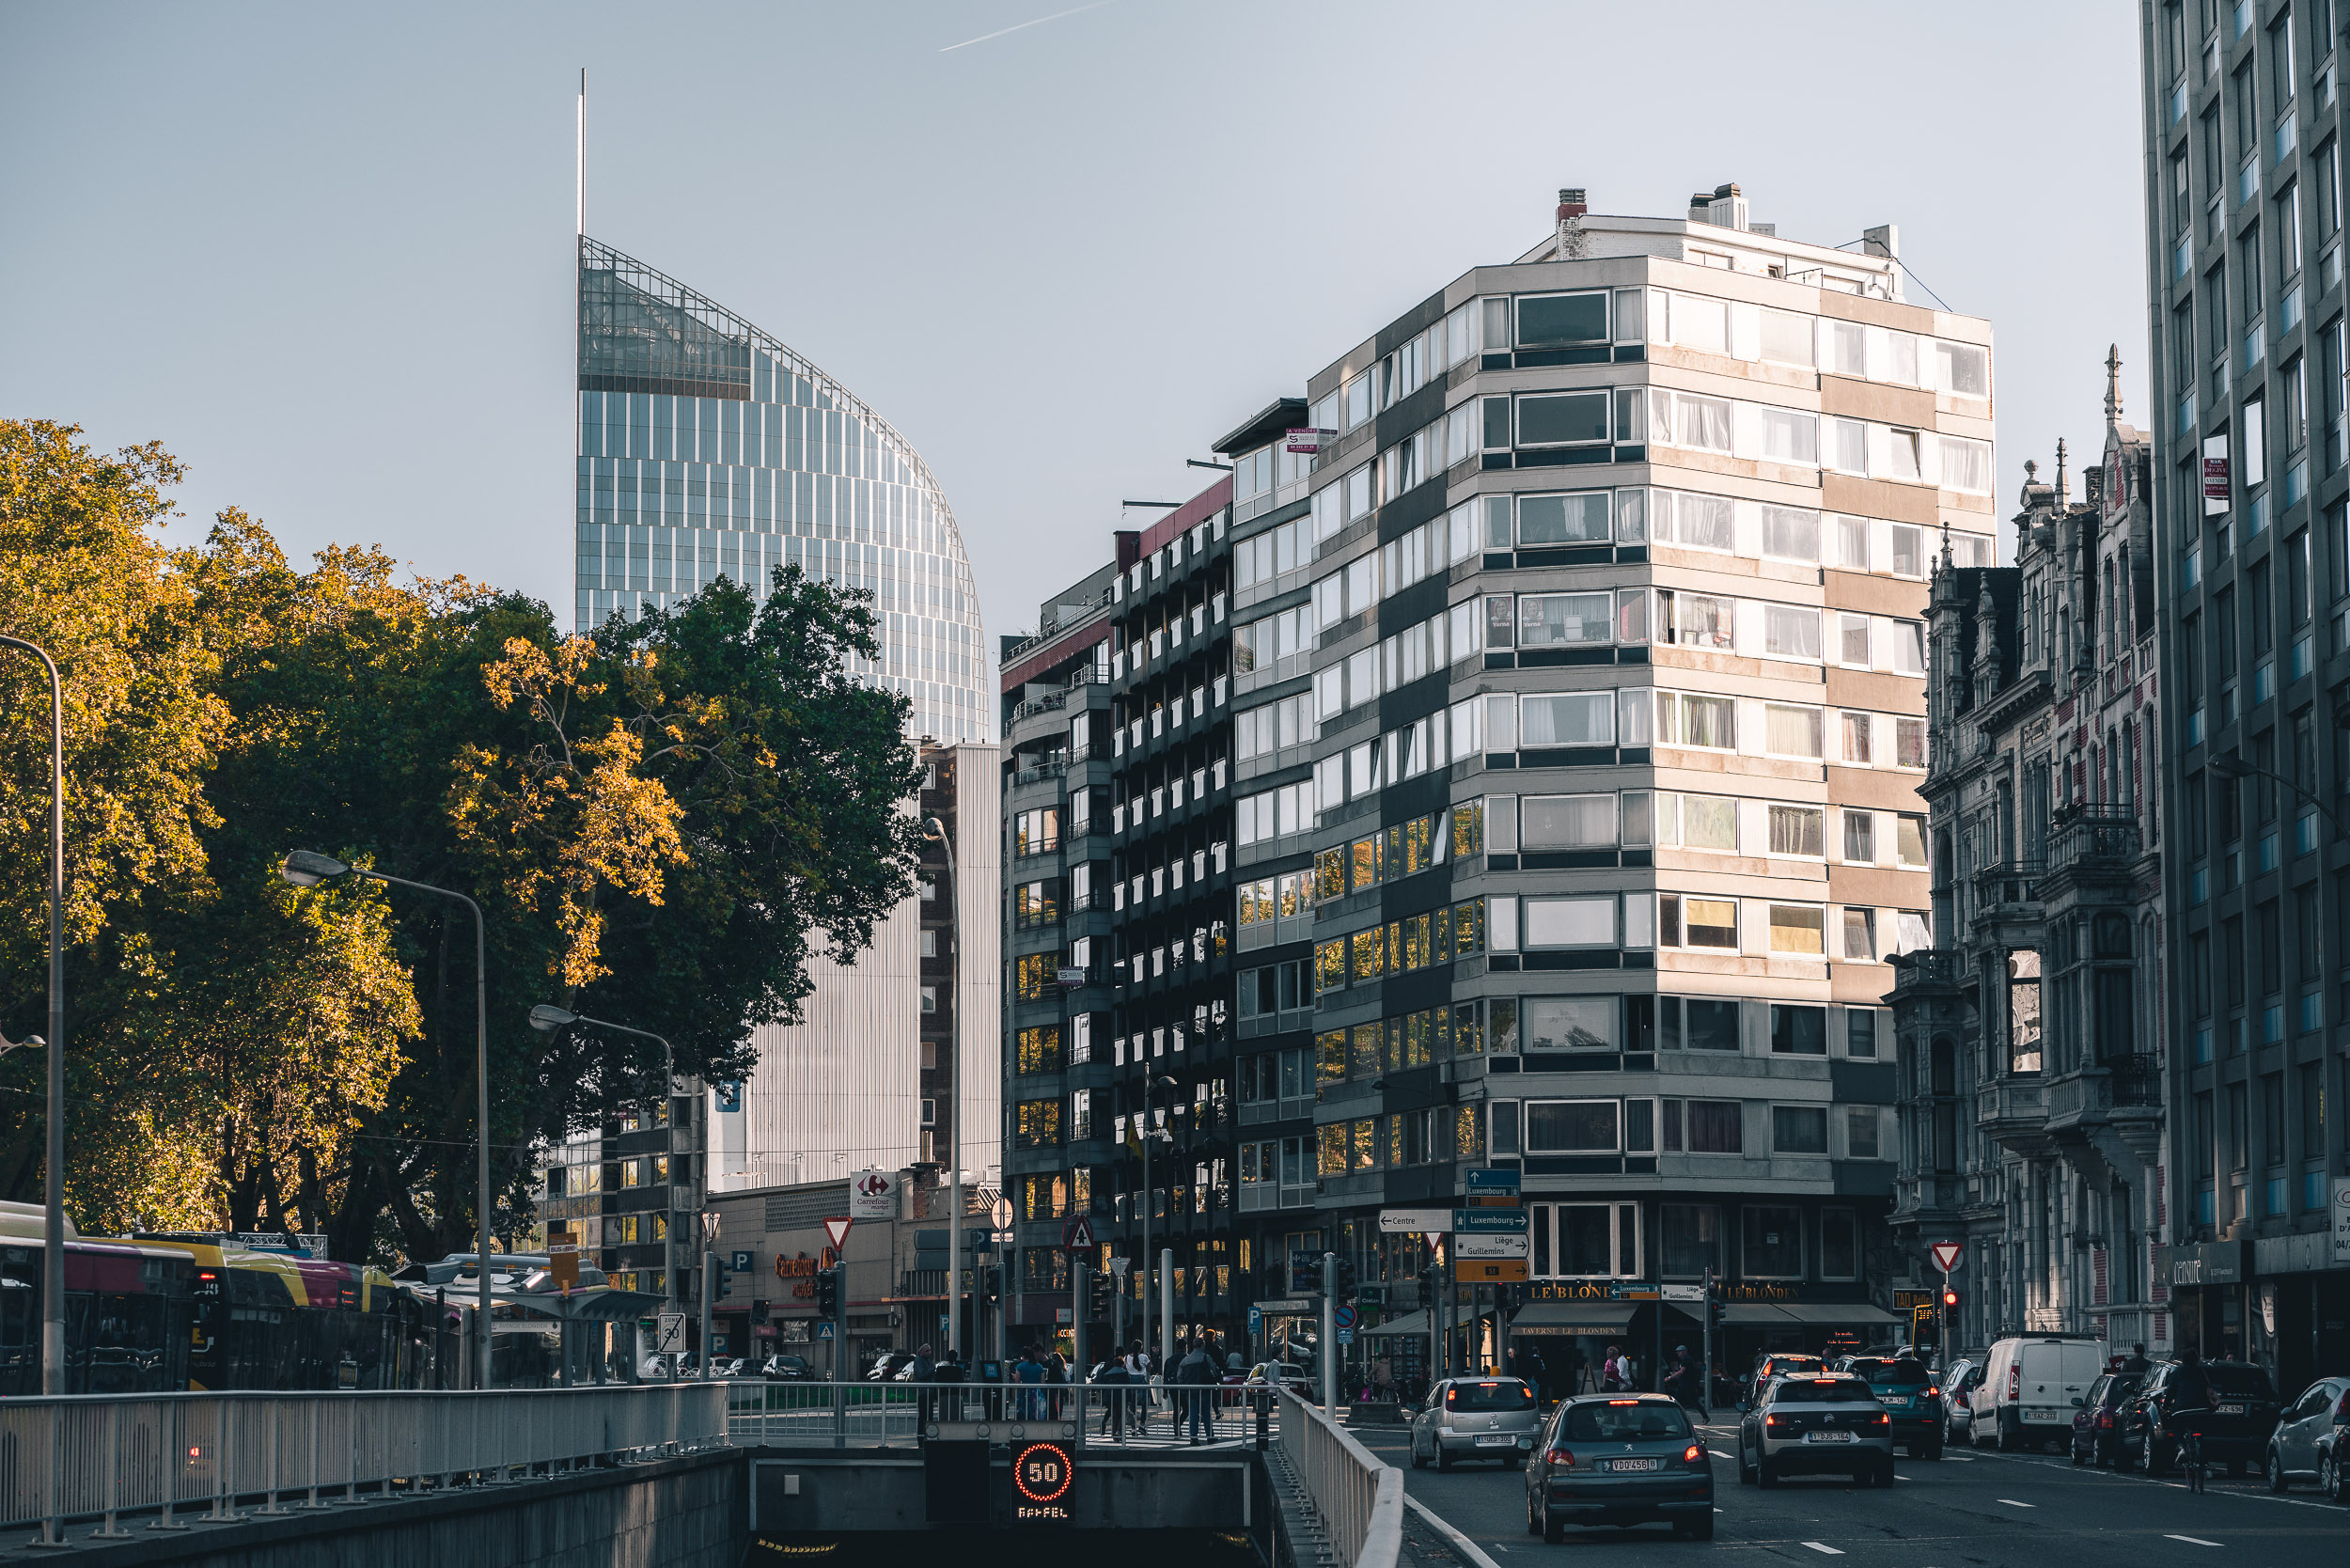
2190	1401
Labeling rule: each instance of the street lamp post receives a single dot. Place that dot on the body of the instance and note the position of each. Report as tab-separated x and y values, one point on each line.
1149	1136
2229	764
308	868
53	1219
546	1019
936	829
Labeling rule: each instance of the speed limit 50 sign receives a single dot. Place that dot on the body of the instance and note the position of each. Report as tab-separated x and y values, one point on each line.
1043	1476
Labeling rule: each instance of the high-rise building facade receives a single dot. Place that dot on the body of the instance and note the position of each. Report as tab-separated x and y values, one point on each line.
2244	119
707	448
2033	1033
1617	616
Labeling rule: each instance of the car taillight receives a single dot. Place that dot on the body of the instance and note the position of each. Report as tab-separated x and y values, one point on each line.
1882	1417
2016	1381
1559	1459
1933	1392
1776	1424
2342	1411
1694	1454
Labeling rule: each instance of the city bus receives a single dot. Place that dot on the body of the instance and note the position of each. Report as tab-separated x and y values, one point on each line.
127	1311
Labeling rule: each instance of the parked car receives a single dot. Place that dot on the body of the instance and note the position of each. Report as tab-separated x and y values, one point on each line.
1958	1411
657	1369
1475	1418
786	1369
1618	1460
2030	1386
2097	1425
2238	1419
888	1365
1827	1423
1283	1374
2312	1440
1911	1397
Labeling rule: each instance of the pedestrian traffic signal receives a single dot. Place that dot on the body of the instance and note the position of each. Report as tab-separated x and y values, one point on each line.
1714	1314
828	1292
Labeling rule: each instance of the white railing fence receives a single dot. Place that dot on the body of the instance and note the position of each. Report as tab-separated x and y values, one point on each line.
1359	1497
896	1415
99	1456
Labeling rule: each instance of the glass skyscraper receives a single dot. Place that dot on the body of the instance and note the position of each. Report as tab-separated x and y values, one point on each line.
706	448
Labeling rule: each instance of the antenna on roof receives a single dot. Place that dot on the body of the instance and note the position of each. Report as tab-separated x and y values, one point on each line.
580	164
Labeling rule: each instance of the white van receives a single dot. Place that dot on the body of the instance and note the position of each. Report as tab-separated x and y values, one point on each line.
2030	1386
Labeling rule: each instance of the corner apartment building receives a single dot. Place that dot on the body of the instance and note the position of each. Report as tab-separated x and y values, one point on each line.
1616	611
2243	118
2033	1032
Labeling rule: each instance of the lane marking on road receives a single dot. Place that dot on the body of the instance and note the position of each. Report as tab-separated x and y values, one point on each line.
2123	1476
1717	1453
1462	1543
2013	1504
2191	1540
1823	1546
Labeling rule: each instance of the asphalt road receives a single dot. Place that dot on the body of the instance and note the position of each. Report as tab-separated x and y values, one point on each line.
1967	1510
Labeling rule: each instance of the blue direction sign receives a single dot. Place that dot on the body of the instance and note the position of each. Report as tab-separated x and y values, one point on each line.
1489	1219
1493	1179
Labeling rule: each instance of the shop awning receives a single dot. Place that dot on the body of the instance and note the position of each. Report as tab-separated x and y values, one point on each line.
1755	1314
1832	1314
1410	1323
1573	1317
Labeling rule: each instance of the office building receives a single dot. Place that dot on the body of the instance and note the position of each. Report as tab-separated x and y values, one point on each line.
707	448
2243	116
2033	1033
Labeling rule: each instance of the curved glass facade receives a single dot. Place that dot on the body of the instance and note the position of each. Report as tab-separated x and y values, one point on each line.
708	447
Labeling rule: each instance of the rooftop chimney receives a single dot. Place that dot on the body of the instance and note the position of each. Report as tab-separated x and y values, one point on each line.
1572	246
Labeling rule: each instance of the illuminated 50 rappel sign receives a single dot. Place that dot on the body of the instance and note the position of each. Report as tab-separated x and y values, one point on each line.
1041	1476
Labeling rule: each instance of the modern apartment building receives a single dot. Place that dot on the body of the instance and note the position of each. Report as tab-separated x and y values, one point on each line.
2243	118
1616	609
707	448
1057	928
2032	1035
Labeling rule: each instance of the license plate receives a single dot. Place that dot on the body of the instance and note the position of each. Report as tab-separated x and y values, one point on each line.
1636	1465
1498	1442
1828	1438
2231	1409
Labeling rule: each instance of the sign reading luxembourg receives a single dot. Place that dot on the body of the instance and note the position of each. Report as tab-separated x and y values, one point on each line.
1489	1220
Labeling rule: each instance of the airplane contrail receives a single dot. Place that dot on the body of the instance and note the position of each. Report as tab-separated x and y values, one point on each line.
1040	21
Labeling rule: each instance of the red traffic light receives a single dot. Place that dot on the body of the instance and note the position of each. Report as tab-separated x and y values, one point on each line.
1950	1298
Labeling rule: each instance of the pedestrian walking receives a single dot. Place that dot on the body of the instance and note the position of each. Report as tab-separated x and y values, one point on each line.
925	1373
1111	1375
1195	1374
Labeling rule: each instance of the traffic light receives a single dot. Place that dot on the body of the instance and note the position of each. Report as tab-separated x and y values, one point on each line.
721	1280
1714	1314
1949	1302
759	1311
828	1292
1346	1277
1098	1294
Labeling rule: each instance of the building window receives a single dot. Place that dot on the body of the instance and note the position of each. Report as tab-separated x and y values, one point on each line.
1770	1242
1860	1132
1839	1245
1796	1030
1798	1129
1692	1240
1572	1127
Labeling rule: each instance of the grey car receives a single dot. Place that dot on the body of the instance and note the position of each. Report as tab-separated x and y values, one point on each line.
1475	1418
1619	1459
1829	1425
1958	1410
2311	1441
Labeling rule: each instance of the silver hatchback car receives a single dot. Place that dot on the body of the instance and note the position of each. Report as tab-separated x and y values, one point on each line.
1475	1418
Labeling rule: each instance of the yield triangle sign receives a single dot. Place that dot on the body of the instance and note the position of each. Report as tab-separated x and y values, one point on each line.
836	1232
1947	1254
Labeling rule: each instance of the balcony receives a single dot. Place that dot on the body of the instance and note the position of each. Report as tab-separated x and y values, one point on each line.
2008	894
2094	839
1926	966
2013	1113
2112	1108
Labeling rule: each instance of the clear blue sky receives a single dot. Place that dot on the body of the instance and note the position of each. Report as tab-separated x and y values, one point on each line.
323	253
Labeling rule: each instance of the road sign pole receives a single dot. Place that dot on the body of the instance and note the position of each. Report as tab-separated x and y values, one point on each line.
1077	1331
709	1267
1705	1346
1329	1336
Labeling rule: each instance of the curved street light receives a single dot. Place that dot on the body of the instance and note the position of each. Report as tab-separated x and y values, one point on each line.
309	869
53	1217
547	1018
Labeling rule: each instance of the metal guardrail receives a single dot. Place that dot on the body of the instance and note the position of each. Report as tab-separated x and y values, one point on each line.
1359	1499
894	1414
100	1456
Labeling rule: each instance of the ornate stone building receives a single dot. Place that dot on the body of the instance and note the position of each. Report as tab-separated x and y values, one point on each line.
2031	1034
